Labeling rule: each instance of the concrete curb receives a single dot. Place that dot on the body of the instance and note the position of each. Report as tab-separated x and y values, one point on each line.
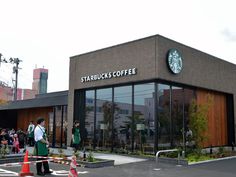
213	160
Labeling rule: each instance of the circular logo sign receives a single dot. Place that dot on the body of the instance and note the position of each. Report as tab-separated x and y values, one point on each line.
174	61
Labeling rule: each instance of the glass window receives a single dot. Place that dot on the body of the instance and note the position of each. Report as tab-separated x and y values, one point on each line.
58	125
144	116
104	118
50	128
64	128
122	117
189	96
177	116
89	118
163	125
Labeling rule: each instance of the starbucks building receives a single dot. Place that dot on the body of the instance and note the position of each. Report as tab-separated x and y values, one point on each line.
137	95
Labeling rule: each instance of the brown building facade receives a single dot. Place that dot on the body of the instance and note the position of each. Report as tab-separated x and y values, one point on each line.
137	95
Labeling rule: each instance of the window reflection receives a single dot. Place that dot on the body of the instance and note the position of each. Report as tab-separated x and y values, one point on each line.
143	120
89	118
177	116
189	96
122	117
104	118
164	125
64	127
113	124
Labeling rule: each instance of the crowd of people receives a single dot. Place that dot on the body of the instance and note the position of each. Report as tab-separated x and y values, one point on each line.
17	139
35	136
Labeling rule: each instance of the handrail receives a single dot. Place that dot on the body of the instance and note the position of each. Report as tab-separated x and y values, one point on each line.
167	150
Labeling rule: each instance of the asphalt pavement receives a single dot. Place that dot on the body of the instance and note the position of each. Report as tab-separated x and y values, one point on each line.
224	168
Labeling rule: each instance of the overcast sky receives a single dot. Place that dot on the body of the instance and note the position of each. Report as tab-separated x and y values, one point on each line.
47	32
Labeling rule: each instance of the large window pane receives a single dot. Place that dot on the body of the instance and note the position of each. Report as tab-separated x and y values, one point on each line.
189	96
177	116
164	125
58	126
144	113
122	117
89	118
104	116
64	128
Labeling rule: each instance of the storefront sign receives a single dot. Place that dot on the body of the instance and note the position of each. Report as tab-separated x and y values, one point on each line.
140	126
109	75
103	126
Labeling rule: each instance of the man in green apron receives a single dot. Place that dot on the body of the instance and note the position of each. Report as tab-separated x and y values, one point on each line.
41	146
31	134
76	136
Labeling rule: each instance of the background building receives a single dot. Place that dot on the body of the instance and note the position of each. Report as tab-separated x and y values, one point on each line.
39	86
40	77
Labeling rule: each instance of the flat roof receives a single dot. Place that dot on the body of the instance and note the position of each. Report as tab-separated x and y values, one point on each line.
41	100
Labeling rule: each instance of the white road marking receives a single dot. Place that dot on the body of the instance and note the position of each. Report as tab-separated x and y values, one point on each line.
64	172
178	165
7	173
156	169
82	172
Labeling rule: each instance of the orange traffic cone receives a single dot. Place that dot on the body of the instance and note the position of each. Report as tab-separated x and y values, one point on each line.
73	172
25	171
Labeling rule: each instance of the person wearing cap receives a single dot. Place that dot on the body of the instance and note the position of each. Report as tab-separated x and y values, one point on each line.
41	146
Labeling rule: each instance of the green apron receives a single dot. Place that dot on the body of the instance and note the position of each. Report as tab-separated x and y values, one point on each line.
76	136
42	149
31	134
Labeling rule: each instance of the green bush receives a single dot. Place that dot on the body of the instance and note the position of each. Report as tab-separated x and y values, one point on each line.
196	157
4	151
90	157
221	150
61	153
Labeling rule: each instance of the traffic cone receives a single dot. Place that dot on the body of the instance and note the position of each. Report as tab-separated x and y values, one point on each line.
25	171
73	172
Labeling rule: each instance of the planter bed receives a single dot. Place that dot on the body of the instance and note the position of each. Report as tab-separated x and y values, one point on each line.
173	161
97	164
13	158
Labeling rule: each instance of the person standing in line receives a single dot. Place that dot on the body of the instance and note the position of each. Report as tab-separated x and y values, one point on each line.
30	132
41	146
76	136
16	146
22	138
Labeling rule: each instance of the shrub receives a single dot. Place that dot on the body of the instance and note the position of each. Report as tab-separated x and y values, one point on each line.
90	157
198	121
61	153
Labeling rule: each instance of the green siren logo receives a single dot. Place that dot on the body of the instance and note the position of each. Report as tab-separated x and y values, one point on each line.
174	61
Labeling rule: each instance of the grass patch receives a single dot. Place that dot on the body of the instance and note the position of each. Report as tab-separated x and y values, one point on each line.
197	158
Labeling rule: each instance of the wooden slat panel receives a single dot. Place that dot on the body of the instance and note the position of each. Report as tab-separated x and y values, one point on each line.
26	115
217	118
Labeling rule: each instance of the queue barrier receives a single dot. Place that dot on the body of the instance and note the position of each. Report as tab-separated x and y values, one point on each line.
167	150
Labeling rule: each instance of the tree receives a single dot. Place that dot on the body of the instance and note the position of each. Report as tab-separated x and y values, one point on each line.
107	118
199	121
107	113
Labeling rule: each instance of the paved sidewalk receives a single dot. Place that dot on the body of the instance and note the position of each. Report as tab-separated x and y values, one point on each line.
119	159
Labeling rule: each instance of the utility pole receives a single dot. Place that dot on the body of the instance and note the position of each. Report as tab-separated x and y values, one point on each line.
15	61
